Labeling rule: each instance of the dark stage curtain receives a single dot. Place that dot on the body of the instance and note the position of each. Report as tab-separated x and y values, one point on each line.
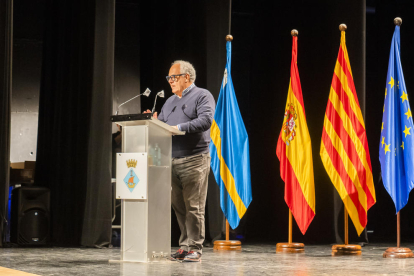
200	39
98	212
6	38
216	31
74	136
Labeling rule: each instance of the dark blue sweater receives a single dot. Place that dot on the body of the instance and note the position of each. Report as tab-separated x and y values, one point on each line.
194	113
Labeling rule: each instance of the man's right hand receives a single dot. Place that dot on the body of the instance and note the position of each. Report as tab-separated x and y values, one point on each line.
154	115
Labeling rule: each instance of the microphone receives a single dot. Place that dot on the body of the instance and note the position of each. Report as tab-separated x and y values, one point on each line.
146	94
171	113
184	107
159	94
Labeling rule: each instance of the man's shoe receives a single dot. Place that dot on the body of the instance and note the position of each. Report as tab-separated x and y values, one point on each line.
179	255
192	257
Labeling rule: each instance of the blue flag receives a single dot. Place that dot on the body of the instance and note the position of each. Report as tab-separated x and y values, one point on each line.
396	150
229	149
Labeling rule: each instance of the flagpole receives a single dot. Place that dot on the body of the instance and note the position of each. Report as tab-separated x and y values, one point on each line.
229	16
290	227
346	248
346	225
229	38
398	229
290	247
228	245
398	252
227	230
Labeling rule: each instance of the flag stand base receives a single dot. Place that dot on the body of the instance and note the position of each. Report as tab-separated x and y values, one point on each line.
346	249
222	245
398	252
285	247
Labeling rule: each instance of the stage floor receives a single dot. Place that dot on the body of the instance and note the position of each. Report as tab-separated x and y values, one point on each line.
253	260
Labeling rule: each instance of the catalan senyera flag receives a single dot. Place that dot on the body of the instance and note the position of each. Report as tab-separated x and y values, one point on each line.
229	149
396	150
344	146
295	152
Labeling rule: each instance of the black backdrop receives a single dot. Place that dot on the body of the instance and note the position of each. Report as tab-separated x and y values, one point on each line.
74	137
6	39
263	96
260	70
195	31
268	82
380	29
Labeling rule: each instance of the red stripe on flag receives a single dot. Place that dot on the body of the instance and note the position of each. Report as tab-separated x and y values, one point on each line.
293	192
350	149
358	128
294	75
347	71
343	97
348	184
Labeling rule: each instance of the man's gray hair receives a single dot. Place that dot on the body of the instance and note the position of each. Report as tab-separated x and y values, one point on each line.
186	68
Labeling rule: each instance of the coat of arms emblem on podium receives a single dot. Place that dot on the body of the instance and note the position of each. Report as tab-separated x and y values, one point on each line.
131	179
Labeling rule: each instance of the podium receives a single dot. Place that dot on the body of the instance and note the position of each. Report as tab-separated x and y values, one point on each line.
143	183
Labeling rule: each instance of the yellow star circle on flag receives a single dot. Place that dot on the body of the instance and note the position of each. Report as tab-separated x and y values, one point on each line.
382	126
391	82
408	113
402	145
383	141
404	96
387	148
407	131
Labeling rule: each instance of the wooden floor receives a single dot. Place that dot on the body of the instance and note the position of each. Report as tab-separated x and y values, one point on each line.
11	272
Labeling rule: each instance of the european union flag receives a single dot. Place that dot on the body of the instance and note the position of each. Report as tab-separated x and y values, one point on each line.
229	150
396	151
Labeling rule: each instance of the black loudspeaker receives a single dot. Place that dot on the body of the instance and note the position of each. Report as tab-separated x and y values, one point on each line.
30	216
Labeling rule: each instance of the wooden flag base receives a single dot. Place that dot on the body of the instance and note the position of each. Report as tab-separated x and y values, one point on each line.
398	252
285	247
227	245
346	249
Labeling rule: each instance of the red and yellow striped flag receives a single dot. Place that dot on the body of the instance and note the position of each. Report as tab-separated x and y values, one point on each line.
344	146
295	153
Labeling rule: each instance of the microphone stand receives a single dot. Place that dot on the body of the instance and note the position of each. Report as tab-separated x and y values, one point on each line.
146	93
161	95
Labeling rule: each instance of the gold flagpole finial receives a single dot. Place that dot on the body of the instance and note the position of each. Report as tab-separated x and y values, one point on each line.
398	21
342	27
294	32
229	37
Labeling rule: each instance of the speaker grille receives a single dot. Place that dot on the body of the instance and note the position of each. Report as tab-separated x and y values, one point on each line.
34	226
30	217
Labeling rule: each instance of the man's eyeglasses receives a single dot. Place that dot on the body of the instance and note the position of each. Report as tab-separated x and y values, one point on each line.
174	77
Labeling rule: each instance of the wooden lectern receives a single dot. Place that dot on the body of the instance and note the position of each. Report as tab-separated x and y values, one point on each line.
143	183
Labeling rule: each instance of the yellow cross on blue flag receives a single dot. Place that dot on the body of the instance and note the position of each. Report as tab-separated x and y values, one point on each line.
229	149
396	150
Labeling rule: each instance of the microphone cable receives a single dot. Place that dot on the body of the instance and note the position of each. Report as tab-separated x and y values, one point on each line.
184	107
166	119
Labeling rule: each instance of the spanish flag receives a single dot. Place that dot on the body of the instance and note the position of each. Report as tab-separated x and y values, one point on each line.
295	152
344	146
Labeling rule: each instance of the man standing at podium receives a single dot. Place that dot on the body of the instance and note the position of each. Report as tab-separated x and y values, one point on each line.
191	109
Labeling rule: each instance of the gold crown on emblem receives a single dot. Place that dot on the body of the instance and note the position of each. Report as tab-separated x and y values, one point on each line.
132	163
